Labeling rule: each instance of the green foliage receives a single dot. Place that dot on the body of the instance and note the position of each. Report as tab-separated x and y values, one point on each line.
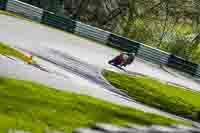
179	43
183	47
169	98
151	22
33	107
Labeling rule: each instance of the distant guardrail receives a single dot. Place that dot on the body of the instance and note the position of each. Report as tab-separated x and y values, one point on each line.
24	9
3	4
61	22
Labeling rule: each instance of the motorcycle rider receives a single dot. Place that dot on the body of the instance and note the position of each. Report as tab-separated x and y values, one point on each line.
123	59
130	59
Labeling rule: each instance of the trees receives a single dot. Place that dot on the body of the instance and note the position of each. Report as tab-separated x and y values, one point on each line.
50	5
165	24
100	13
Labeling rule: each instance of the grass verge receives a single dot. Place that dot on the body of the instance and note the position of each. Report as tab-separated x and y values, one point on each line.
169	98
5	50
34	107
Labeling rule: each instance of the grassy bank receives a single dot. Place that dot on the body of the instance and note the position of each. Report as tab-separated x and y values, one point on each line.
33	107
169	98
7	13
5	50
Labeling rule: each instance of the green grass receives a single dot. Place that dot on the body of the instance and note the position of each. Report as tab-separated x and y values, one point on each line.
7	13
5	50
182	102
33	107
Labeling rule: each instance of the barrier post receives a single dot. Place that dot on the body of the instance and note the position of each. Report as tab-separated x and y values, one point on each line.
3	4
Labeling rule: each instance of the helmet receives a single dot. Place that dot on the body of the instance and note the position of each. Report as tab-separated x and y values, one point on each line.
131	54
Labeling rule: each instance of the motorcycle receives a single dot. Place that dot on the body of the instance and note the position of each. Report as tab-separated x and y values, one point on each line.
122	60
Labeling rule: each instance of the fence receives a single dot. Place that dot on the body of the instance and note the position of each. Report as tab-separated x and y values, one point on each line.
91	32
143	51
24	9
181	64
198	71
123	43
153	55
59	22
3	4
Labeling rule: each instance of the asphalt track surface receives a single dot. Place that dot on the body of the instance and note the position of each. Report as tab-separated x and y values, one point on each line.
72	63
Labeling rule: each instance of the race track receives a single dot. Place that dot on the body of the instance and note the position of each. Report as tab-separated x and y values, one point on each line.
73	63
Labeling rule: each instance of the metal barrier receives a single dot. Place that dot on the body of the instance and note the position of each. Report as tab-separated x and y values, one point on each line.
123	43
59	22
143	51
92	32
3	4
24	9
183	65
198	71
153	55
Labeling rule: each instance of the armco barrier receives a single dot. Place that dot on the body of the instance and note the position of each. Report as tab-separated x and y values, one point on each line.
24	9
153	55
183	65
92	32
198	71
3	4
123	43
59	22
